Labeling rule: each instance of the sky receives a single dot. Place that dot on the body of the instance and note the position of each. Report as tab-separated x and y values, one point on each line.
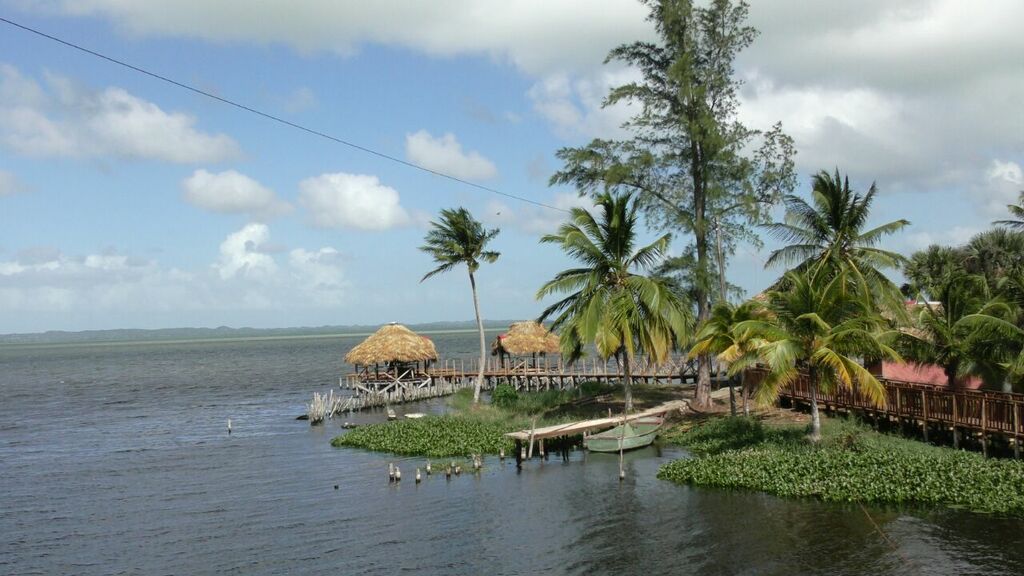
126	202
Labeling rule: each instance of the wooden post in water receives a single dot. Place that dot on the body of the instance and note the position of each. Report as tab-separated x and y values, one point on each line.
229	426
519	454
622	437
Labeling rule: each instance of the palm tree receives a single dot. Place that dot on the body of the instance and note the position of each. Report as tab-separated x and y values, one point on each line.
608	302
1017	210
737	349
457	238
829	234
962	332
928	269
995	254
819	326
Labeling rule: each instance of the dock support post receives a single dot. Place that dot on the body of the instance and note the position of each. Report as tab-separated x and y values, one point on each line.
519	454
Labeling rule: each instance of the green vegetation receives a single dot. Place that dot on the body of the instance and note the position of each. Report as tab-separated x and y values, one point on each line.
455	239
607	301
434	436
852	463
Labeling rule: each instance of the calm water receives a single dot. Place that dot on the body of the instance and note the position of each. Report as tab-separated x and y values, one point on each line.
115	460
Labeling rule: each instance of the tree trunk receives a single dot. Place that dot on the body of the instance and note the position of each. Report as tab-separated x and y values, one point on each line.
702	395
732	397
627	382
745	393
815	416
951	371
483	343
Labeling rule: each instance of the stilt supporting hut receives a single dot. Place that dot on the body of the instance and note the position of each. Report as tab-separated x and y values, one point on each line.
393	361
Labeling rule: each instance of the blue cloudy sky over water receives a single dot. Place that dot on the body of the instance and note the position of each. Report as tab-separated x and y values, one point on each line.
126	202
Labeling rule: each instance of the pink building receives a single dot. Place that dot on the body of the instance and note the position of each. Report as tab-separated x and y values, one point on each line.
920	374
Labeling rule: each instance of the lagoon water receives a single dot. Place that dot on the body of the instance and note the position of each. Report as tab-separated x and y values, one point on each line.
114	459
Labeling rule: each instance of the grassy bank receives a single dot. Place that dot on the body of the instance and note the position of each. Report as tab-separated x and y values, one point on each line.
852	463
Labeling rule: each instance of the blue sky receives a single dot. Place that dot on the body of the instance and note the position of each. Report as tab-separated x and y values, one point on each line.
126	202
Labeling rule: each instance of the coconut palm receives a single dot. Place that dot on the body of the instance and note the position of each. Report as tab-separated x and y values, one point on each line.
819	326
455	239
734	348
608	301
1017	211
828	234
963	331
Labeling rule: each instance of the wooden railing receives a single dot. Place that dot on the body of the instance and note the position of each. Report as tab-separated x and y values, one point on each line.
978	410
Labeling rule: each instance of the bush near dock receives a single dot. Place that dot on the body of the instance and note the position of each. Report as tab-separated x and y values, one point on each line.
434	436
852	464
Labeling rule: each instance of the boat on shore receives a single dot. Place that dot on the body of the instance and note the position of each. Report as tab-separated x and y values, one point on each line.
633	434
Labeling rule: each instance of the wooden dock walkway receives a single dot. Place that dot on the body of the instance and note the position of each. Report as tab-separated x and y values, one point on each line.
378	388
563	434
979	414
582	426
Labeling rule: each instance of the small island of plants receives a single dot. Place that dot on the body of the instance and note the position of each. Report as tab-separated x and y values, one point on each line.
851	463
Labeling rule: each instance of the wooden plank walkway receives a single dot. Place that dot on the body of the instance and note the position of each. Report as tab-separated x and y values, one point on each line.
981	413
582	426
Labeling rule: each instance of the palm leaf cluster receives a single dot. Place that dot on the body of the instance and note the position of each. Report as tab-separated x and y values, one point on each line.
1017	211
827	235
606	300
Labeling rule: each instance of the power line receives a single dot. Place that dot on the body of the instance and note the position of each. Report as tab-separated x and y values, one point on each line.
274	118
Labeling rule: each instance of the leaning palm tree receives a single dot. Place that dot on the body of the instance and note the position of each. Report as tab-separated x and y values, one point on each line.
965	331
1017	211
457	238
828	234
737	349
608	302
819	326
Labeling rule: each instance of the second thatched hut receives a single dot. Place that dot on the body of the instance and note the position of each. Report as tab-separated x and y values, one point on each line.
525	339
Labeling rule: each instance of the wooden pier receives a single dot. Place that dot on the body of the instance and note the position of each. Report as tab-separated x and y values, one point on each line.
981	415
378	388
562	433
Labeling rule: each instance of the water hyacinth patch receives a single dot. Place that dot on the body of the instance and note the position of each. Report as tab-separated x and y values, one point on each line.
434	436
852	464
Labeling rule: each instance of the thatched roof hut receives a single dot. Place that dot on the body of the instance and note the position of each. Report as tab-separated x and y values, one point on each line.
392	343
525	338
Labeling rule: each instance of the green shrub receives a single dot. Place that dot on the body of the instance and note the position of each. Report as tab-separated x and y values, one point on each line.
504	396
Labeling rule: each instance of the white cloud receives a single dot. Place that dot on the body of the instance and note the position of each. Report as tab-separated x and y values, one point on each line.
241	255
300	100
319	275
231	192
1004	181
357	201
574	107
107	284
530	34
444	154
9	183
67	120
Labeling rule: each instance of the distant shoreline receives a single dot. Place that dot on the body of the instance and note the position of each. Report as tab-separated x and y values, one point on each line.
98	342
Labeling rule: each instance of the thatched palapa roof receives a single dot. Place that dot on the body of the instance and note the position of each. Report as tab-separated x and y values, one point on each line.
392	343
525	338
